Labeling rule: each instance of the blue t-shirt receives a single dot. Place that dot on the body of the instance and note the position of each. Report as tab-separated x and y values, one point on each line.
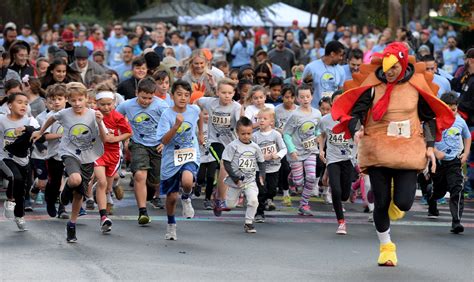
443	83
326	79
242	55
114	48
124	71
347	72
144	121
316	54
184	147
452	60
452	142
438	43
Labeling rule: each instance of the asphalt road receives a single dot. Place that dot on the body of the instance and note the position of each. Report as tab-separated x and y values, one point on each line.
287	247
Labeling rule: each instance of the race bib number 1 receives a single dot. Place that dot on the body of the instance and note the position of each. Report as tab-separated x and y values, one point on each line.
399	129
184	156
310	143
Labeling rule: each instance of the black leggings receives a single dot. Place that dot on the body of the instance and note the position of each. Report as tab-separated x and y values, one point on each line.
266	192
404	182
17	180
55	176
206	174
340	179
283	175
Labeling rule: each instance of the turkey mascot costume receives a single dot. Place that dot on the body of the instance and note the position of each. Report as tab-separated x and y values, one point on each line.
390	107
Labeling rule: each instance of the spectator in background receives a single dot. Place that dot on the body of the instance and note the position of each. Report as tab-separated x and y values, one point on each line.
369	51
282	56
114	46
42	65
142	36
330	33
127	88
305	53
328	76
97	39
160	44
353	63
9	36
133	41
262	57
124	70
242	51
99	57
263	74
26	35
425	40
46	42
82	41
293	45
85	67
218	43
453	57
318	50
67	38
19	59
439	40
442	82
298	34
6	74
181	51
199	75
59	72
381	44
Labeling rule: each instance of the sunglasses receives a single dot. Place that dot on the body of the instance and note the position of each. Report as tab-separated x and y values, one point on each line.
280	41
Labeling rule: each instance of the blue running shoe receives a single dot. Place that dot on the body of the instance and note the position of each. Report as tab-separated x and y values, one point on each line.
82	212
424	201
442	201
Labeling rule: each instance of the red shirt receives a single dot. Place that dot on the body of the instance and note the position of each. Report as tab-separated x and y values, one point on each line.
98	44
115	123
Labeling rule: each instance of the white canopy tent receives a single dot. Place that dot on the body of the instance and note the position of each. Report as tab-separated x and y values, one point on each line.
281	14
278	14
245	17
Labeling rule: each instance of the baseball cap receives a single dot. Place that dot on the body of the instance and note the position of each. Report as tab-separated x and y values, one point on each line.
67	36
170	62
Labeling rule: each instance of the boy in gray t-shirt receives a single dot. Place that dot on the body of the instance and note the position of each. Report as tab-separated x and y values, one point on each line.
81	144
241	159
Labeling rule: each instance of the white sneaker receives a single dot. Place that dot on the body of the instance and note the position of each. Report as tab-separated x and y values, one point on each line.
327	198
171	232
188	210
20	223
9	208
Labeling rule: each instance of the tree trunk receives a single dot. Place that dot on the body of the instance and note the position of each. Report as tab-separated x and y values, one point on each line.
394	12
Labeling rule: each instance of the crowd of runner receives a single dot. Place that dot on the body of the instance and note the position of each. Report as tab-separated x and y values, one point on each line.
244	114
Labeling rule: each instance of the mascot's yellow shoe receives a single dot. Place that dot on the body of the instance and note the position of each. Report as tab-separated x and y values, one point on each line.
394	213
388	255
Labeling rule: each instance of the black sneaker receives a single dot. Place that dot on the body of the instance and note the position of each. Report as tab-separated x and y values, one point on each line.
456	228
259	218
249	228
62	213
28	207
197	190
433	212
66	195
51	209
71	233
156	203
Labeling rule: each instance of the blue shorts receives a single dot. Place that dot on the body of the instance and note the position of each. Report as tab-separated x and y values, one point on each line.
172	184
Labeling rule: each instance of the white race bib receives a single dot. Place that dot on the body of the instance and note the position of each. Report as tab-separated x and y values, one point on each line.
449	68
399	129
184	156
269	149
221	121
117	57
247	164
310	143
337	139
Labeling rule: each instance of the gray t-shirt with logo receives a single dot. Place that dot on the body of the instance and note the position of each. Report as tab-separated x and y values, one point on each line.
53	145
337	147
270	143
303	128
81	138
8	136
243	158
281	116
222	120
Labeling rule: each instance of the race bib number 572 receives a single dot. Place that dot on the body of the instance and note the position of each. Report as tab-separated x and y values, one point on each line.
184	156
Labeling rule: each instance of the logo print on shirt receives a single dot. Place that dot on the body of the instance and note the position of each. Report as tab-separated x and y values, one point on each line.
144	124
81	136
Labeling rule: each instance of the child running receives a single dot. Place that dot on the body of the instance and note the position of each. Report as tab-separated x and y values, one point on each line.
107	165
223	116
181	155
241	159
143	113
451	158
337	156
16	129
273	149
56	95
301	138
81	145
256	102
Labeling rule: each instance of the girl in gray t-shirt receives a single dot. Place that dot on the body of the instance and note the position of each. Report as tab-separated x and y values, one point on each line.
301	137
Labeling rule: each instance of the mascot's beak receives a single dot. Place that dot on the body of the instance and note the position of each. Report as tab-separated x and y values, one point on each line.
389	62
